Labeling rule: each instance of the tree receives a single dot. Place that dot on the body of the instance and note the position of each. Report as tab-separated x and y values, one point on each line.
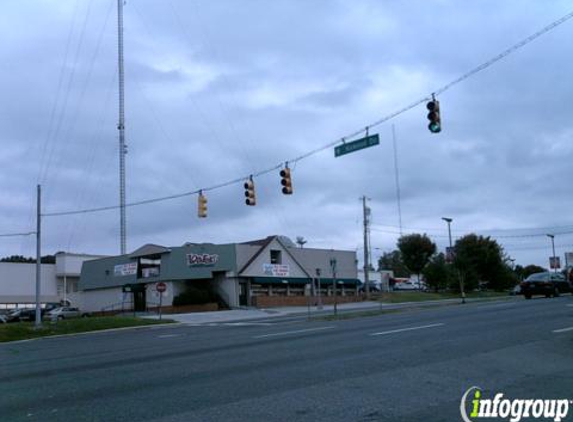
47	259
532	269
481	259
392	261
438	274
416	250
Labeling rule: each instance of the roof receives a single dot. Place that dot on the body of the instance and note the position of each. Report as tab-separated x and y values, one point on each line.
149	249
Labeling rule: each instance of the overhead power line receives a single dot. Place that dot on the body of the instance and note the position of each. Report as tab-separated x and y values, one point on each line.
349	136
16	234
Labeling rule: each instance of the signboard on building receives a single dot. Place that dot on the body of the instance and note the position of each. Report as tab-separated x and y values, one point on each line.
554	262
125	269
150	272
202	259
569	259
276	270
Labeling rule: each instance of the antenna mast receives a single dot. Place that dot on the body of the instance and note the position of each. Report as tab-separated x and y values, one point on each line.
121	127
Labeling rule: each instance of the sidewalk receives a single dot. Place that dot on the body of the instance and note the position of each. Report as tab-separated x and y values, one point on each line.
237	315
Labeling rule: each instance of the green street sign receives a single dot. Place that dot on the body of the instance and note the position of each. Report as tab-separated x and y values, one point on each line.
359	144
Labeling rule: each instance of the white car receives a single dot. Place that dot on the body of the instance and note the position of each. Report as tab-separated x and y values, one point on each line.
63	313
2	319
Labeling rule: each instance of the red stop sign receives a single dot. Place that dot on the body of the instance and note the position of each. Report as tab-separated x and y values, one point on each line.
161	287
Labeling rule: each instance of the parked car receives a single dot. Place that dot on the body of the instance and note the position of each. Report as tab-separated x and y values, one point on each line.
13	315
547	284
3	319
64	312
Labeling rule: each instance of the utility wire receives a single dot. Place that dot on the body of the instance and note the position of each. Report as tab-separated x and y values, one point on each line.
378	122
17	234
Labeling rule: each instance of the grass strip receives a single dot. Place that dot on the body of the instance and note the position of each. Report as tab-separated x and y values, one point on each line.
26	330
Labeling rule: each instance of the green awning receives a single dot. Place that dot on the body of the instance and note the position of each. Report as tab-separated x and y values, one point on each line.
301	281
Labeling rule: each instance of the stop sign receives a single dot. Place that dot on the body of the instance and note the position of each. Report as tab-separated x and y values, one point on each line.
161	287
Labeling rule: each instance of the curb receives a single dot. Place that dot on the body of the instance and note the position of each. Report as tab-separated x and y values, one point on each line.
107	330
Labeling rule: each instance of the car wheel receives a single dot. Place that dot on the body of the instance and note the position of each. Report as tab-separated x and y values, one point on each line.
527	295
60	317
556	292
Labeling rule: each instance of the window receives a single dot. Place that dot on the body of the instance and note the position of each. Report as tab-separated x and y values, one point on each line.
276	257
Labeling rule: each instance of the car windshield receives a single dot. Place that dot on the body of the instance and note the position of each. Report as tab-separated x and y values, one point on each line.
538	277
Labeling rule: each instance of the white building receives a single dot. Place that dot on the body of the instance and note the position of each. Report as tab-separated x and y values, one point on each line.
57	281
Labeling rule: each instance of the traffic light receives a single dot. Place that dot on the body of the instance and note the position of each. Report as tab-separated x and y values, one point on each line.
202	206
433	107
286	181
250	192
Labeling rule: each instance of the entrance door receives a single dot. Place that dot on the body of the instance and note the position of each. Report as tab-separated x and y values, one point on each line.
139	301
243	294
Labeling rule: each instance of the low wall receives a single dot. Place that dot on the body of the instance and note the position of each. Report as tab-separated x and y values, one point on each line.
273	301
207	307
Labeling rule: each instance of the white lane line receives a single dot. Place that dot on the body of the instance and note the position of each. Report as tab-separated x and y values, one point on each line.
401	330
571	304
169	335
286	333
497	305
563	330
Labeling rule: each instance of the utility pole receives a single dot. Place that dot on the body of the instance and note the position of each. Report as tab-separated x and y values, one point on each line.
319	303
38	322
552	237
121	128
333	268
451	251
366	217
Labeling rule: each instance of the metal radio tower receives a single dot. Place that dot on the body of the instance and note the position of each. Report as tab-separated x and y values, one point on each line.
121	127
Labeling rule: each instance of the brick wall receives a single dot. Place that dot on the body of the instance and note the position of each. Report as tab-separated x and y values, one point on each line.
272	301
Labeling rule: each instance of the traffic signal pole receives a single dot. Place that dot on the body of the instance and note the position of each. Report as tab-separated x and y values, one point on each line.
38	322
366	254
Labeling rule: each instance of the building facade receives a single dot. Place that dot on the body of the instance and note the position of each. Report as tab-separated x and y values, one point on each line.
58	281
241	274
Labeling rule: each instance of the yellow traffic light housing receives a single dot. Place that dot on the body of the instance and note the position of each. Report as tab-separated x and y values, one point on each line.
435	125
250	198
202	205
286	181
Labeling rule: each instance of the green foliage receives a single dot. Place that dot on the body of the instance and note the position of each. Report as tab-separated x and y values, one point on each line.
532	269
416	250
392	261
48	259
438	274
481	259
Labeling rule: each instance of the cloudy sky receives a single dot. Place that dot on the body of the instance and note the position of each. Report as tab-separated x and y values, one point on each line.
219	90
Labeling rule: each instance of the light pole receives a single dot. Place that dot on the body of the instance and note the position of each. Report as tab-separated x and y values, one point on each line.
449	255
552	236
333	267
319	302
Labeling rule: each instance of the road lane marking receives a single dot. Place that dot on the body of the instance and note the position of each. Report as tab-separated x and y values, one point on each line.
497	305
401	330
571	304
169	335
563	330
286	333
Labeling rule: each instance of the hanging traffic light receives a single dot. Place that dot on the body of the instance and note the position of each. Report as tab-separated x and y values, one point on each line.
250	192
202	206
433	107
286	181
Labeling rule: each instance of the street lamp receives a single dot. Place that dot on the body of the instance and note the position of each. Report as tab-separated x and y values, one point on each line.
333	268
552	236
449	220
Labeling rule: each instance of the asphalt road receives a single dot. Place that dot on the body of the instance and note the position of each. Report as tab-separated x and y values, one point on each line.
409	366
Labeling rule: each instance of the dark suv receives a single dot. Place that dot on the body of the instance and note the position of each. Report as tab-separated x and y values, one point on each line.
547	284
